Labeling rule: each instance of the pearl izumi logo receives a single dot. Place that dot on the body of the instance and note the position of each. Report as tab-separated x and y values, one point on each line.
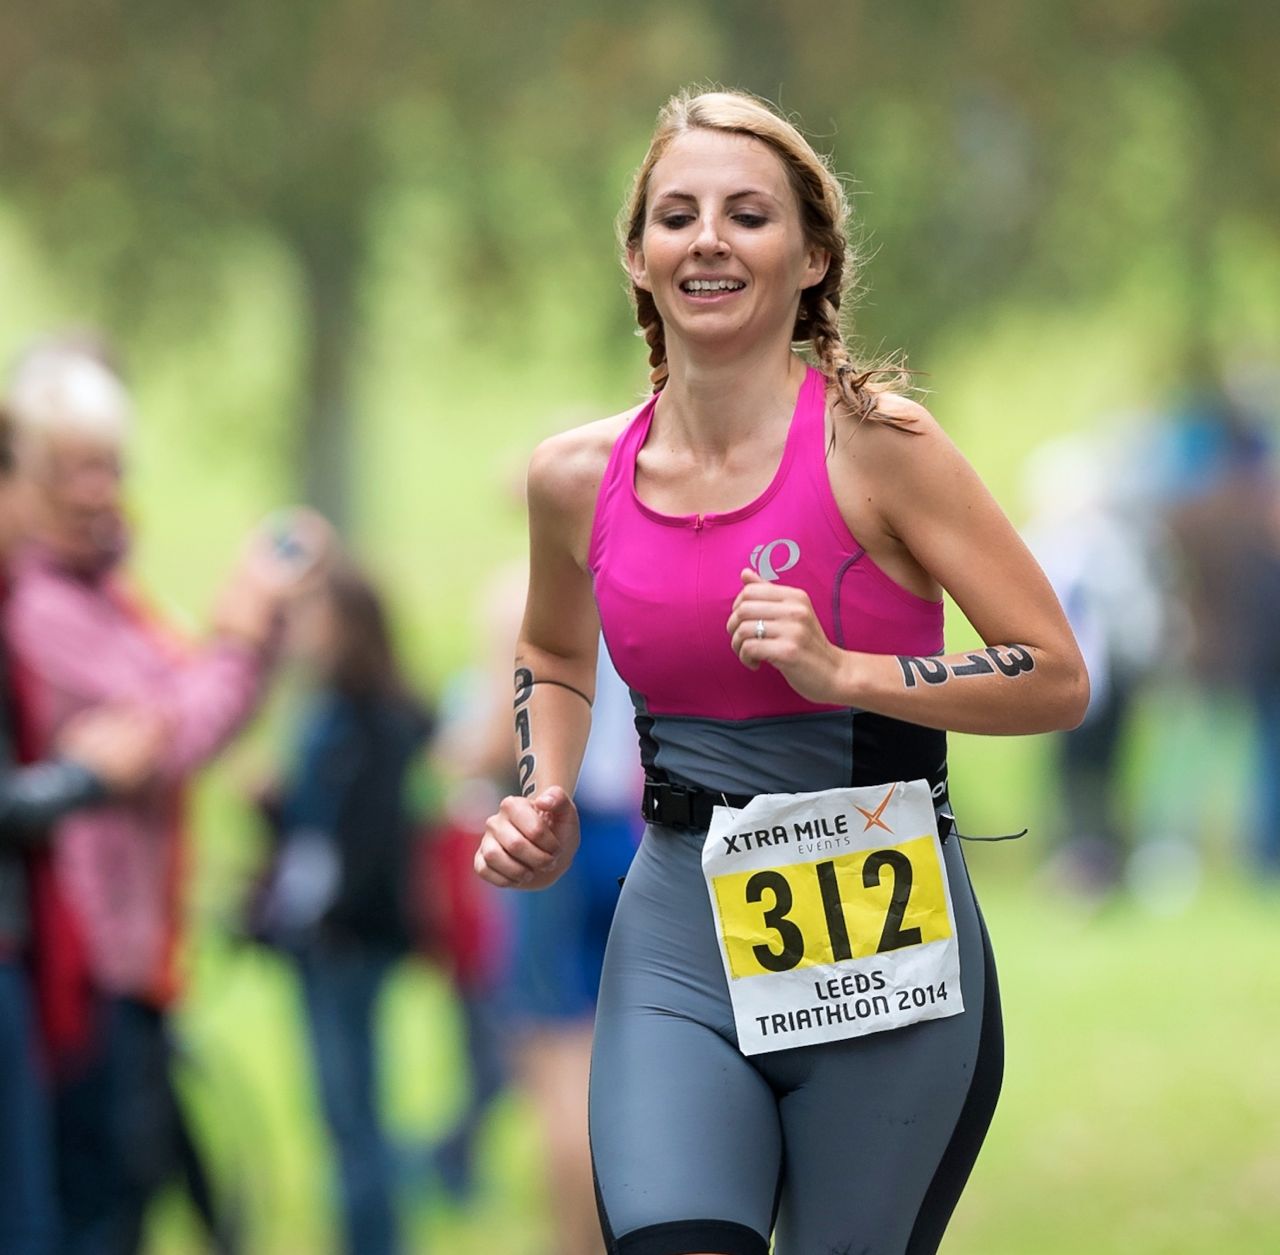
774	558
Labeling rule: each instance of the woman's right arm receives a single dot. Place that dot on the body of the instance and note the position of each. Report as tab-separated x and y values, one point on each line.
533	836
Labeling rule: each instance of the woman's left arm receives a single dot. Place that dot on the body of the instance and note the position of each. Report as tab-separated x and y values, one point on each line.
1029	677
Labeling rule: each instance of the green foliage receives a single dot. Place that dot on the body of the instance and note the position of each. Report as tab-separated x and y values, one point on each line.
1011	153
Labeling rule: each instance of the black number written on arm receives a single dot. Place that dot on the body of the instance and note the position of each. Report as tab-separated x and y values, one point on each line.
1009	660
527	762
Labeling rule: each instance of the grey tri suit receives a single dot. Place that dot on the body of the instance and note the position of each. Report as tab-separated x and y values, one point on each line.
859	1147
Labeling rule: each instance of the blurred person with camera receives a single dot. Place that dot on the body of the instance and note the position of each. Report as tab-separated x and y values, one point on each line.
86	639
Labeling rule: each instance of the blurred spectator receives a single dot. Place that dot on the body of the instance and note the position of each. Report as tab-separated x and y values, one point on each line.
340	897
1215	482
469	921
559	933
1108	568
105	751
1223	507
465	932
87	641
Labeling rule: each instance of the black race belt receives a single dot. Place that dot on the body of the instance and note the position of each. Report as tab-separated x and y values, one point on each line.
674	805
685	806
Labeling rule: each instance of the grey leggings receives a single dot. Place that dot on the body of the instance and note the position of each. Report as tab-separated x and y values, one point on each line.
859	1147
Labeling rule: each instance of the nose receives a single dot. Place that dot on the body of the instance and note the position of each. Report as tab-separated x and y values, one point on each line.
98	488
708	241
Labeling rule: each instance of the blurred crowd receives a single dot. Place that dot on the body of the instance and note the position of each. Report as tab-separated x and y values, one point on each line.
1162	538
109	716
1161	534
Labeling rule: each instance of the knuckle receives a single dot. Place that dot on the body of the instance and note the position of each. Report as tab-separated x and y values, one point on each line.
524	851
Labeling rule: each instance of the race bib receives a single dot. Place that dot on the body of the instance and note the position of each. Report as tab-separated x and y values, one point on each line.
833	912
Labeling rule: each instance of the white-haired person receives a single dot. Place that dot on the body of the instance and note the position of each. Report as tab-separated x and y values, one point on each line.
105	752
798	1040
86	639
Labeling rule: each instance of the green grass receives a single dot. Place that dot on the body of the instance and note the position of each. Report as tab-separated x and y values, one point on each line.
1140	1112
1143	1084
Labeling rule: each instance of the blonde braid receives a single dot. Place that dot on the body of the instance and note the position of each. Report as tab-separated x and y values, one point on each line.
819	323
655	336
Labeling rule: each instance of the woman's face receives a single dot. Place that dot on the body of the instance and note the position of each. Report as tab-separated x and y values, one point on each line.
722	250
314	631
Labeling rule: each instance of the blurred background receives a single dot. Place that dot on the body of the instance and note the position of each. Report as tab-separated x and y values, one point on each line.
361	254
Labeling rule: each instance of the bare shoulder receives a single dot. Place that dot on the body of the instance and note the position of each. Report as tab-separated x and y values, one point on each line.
910	449
907	418
566	469
897	482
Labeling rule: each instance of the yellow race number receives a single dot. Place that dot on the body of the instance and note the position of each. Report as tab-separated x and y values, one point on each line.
848	907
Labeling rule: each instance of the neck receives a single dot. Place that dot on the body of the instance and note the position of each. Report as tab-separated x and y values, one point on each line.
89	562
712	402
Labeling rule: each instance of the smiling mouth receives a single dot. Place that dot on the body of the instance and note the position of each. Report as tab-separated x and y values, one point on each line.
703	287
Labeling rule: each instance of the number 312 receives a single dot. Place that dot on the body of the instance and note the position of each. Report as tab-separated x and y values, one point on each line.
892	937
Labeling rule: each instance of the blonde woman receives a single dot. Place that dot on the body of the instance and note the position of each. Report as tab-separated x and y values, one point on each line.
798	1032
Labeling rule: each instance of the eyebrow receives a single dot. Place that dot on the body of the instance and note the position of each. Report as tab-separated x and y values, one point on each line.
689	196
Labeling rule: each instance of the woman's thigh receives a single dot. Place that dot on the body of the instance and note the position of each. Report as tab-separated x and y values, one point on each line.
685	1139
881	1132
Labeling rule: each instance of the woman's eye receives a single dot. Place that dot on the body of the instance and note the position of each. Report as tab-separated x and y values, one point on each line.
750	220
676	221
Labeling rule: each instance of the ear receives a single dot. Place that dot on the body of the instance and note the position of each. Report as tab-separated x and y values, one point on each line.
817	262
636	268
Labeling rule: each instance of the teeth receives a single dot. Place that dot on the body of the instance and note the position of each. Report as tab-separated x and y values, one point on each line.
712	285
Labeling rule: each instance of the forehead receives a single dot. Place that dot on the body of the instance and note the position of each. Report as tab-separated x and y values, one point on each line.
68	449
709	163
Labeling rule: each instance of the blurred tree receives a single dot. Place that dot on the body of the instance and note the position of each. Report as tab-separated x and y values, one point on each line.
138	135
1035	150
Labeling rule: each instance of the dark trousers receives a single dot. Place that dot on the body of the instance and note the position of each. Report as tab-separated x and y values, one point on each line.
118	1131
340	986
1266	846
27	1200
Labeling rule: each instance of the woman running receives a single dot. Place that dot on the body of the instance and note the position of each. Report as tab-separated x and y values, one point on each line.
798	1031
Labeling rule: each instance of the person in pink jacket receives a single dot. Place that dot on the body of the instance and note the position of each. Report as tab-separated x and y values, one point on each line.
87	639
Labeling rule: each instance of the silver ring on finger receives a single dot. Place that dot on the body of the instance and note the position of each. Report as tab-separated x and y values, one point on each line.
759	629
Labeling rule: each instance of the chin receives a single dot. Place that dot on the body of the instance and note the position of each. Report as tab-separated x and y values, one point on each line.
713	327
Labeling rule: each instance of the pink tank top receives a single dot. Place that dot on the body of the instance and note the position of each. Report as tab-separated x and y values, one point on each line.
665	584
